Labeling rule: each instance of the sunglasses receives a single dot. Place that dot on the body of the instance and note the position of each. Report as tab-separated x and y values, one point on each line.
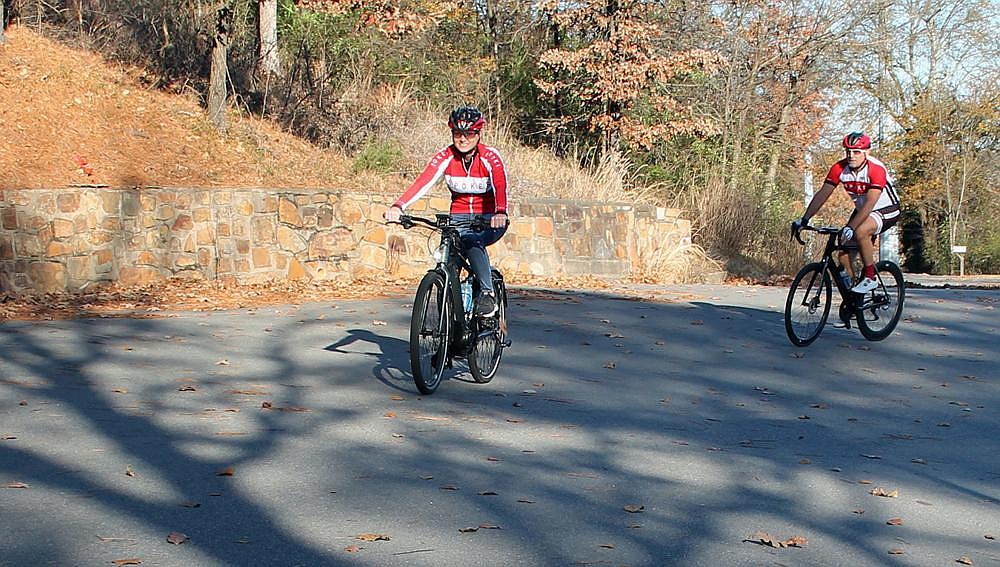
464	133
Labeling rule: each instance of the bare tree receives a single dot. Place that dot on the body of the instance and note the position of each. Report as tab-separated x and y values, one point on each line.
270	63
219	78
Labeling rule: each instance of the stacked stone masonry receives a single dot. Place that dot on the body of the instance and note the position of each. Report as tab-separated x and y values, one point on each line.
70	239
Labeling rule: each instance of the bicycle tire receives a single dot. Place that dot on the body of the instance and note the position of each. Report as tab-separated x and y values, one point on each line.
879	321
807	305
430	329
484	360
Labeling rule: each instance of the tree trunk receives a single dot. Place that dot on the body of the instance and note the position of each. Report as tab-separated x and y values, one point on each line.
219	77
3	23
270	63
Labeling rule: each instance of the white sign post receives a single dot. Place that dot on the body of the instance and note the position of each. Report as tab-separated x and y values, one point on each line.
960	252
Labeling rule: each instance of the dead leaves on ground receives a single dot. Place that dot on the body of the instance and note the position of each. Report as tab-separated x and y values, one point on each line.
764	538
483	526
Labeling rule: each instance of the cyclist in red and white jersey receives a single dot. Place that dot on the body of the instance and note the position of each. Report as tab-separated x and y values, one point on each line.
876	205
476	176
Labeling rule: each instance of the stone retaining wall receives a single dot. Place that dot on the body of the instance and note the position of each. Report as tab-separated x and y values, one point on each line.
69	239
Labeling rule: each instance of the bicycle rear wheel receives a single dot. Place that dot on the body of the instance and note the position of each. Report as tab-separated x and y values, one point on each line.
488	347
881	308
430	327
807	305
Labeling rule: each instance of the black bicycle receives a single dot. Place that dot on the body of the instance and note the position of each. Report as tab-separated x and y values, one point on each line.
443	326
808	304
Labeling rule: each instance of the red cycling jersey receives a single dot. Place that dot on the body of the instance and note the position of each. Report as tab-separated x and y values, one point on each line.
857	182
477	188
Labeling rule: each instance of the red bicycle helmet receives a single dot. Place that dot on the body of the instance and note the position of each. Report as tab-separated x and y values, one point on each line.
466	119
857	141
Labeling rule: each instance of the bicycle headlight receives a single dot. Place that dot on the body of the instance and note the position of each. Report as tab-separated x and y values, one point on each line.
439	254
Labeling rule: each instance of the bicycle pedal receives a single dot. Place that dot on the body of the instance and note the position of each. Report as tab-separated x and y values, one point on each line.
506	343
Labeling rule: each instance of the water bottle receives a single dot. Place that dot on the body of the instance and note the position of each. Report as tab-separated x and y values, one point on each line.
467	294
845	278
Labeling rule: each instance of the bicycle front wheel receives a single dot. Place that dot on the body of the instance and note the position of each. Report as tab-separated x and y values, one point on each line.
430	327
807	305
881	308
488	347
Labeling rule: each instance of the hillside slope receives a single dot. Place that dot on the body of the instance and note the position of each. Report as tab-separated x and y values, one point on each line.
69	117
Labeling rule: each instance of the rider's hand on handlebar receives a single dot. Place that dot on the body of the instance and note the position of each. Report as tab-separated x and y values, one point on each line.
498	220
798	224
393	214
846	234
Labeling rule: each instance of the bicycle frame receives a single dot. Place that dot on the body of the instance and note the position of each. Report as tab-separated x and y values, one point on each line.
807	305
831	265
449	263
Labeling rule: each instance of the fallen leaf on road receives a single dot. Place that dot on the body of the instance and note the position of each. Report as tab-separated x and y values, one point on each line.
17	485
223	362
132	561
896	551
488	526
129	471
228	471
763	538
176	538
352	549
468	530
607	545
879	491
895	521
372	537
634	508
964	560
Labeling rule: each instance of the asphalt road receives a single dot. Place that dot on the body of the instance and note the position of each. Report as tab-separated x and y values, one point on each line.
673	431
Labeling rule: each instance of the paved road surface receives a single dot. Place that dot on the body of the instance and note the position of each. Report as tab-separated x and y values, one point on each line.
619	432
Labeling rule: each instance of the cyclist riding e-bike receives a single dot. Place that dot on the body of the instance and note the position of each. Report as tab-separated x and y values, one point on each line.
876	205
476	176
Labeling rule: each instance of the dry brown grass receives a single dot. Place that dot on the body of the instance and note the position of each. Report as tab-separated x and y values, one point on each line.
69	117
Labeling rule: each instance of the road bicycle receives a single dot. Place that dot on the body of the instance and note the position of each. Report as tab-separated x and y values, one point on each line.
808	304
443	326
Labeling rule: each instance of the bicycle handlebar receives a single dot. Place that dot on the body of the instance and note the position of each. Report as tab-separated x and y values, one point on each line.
819	229
441	222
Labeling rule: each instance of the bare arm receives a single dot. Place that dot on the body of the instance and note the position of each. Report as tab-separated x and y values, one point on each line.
819	199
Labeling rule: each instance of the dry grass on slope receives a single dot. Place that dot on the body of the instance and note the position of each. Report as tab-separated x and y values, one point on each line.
69	117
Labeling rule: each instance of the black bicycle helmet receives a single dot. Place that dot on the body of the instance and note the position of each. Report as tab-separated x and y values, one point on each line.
466	119
857	141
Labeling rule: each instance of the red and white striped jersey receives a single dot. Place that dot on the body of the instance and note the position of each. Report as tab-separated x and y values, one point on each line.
872	175
477	188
